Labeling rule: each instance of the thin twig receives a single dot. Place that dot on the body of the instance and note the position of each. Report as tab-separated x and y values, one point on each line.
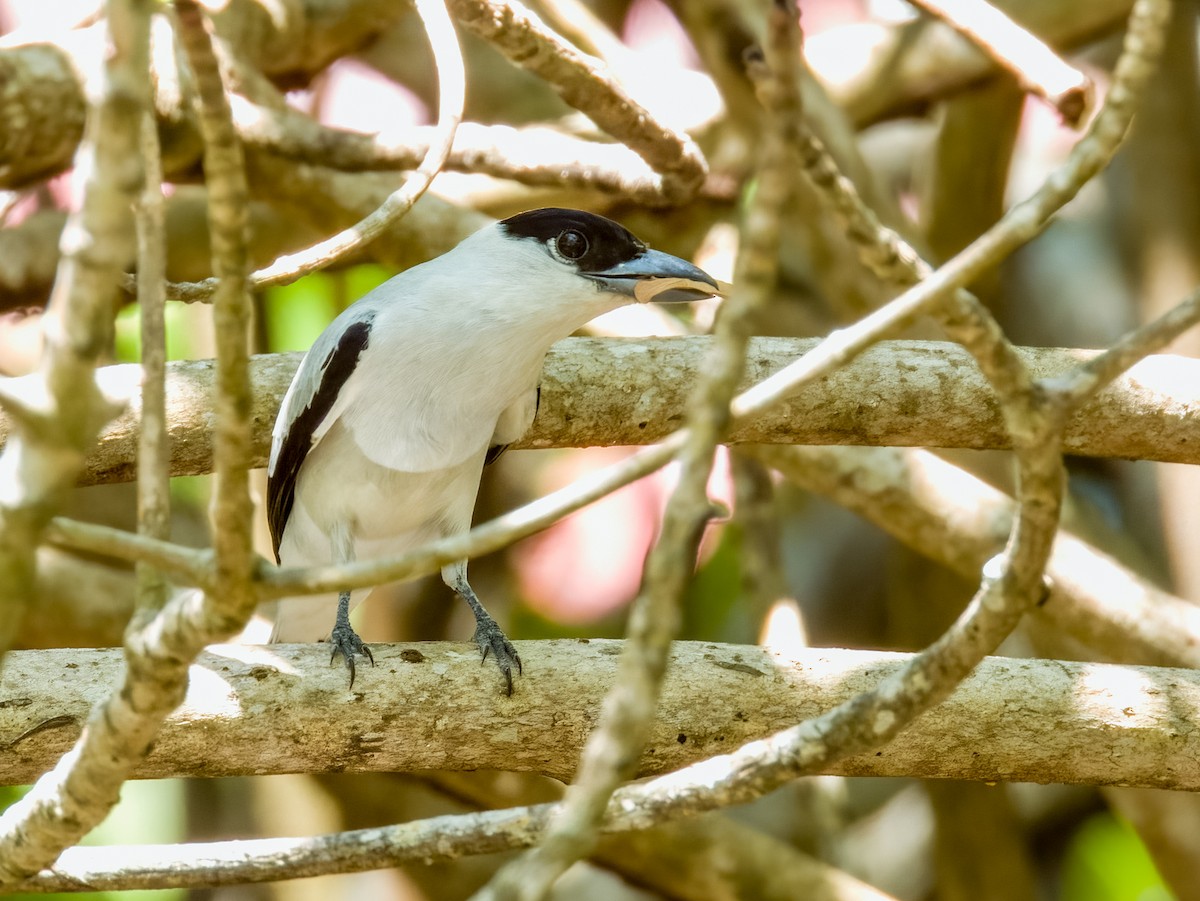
451	94
232	597
190	565
582	27
532	155
277	582
695	860
761	575
1037	68
153	455
1092	376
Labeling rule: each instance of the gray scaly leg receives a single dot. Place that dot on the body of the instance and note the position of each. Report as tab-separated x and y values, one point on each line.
344	639
489	637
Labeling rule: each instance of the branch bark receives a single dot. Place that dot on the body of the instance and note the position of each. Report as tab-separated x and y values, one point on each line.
259	710
906	393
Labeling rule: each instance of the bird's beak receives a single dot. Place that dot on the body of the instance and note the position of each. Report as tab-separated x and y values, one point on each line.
638	278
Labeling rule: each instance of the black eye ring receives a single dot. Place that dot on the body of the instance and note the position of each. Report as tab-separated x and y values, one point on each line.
571	244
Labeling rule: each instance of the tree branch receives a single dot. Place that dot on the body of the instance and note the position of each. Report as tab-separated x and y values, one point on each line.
906	393
605	391
1088	723
1037	68
918	63
692	860
1081	723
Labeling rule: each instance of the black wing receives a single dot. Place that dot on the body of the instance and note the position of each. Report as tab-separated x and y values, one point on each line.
337	367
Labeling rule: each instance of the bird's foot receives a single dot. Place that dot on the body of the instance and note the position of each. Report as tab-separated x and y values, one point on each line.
345	641
490	639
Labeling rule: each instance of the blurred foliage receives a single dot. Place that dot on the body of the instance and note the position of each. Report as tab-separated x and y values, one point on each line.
185	325
296	314
1106	861
713	603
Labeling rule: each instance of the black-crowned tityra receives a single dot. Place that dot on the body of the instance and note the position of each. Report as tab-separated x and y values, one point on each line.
385	430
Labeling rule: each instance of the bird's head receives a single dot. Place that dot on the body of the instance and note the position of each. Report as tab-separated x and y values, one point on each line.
575	263
607	256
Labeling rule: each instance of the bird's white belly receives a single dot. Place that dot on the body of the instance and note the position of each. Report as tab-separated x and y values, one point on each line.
385	510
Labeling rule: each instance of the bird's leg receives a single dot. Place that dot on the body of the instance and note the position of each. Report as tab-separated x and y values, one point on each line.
343	639
489	637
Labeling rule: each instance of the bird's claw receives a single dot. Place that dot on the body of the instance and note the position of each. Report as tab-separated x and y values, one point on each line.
345	641
490	639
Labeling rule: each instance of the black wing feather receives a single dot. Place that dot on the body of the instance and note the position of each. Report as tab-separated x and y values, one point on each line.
339	364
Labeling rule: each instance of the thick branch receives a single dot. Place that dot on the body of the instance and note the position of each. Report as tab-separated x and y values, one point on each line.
256	710
909	393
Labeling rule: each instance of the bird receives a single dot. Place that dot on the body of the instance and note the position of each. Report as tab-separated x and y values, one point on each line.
383	434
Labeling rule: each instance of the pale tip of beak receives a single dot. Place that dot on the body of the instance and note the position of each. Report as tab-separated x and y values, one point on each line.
645	291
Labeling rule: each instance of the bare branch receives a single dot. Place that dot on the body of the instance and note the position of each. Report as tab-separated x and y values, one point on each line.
691	860
232	599
920	62
1037	68
880	398
153	453
1075	731
192	566
531	155
1090	723
1090	377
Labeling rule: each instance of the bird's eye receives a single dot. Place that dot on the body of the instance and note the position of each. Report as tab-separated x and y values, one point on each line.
571	244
